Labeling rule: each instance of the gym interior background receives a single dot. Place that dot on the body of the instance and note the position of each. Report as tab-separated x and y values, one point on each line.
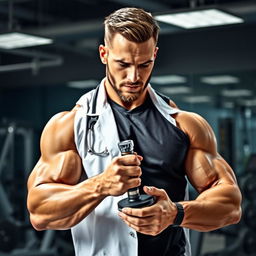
208	70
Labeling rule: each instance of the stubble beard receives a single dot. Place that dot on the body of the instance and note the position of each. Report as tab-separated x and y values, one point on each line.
126	98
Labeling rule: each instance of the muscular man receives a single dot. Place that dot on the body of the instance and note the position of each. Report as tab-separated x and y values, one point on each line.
81	175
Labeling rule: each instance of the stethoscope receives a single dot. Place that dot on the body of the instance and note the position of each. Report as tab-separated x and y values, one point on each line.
92	118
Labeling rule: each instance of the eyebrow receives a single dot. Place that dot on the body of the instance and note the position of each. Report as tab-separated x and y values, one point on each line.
124	62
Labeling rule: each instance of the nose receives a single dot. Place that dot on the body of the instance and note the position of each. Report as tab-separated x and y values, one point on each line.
133	75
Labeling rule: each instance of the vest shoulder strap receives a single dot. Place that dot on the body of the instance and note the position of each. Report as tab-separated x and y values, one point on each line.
164	97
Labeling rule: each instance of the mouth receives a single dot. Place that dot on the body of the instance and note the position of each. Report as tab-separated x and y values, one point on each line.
130	85
131	88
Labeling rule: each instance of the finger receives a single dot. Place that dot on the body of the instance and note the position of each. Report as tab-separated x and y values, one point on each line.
139	222
130	171
129	160
133	183
140	212
153	191
147	230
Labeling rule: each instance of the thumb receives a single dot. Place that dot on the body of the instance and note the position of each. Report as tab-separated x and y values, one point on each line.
153	191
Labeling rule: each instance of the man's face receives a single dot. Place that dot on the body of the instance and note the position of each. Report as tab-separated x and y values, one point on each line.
128	67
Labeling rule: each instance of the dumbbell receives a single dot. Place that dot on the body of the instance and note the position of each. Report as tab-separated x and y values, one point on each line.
134	199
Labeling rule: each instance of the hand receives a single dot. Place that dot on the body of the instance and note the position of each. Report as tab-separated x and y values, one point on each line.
154	219
122	174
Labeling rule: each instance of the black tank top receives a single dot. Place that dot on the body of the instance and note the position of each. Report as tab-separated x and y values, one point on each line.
164	148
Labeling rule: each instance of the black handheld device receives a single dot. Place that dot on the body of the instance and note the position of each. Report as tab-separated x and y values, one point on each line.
134	199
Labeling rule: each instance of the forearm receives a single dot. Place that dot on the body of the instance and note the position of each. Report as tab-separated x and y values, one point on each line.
60	206
214	208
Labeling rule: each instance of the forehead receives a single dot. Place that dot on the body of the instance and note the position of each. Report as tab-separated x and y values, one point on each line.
123	48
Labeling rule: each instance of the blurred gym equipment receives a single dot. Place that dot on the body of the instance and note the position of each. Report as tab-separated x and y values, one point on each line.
241	238
17	236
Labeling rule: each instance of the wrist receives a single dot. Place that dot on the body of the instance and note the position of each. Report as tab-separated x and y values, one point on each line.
179	216
96	186
102	185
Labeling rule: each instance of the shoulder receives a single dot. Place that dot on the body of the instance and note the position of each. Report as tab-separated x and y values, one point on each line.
58	134
200	133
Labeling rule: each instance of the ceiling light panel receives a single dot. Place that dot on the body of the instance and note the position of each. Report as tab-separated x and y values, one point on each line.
248	103
19	40
236	93
176	90
228	104
224	79
197	99
199	19
168	79
83	84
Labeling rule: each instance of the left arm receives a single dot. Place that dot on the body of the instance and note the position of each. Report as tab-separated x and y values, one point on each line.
218	203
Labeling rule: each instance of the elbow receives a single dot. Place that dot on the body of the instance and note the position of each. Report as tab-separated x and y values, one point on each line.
235	213
236	216
231	218
37	223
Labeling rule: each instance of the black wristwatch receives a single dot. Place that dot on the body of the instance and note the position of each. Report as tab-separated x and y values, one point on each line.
180	215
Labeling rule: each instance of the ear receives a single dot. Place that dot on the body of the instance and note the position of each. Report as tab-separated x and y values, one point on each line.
103	51
155	52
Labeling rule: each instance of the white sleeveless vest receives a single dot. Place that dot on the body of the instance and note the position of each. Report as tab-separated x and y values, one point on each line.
102	232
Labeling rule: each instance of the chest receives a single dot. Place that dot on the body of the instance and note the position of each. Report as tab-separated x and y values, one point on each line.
159	142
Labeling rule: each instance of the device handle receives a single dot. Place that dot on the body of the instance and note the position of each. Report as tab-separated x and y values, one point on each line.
127	147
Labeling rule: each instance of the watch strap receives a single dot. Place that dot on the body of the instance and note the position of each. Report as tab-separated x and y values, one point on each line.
180	215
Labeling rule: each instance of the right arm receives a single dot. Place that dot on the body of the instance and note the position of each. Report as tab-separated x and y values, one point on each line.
55	198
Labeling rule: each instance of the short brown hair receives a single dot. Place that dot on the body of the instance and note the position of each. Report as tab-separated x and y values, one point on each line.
134	24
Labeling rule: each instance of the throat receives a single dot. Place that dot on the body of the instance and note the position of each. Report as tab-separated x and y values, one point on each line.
132	108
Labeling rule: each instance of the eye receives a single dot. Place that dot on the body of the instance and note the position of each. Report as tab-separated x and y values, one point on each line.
146	65
123	64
